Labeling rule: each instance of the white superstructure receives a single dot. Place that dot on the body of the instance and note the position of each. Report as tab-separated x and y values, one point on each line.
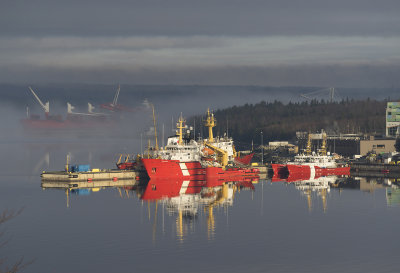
185	152
323	161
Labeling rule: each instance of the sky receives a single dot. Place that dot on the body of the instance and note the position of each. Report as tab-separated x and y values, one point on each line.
342	43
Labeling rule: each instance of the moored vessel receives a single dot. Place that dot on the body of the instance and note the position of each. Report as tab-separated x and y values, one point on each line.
73	121
310	164
186	158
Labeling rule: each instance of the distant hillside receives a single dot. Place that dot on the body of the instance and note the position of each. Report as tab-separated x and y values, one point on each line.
280	121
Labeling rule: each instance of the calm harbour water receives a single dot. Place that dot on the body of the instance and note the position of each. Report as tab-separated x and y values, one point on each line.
273	227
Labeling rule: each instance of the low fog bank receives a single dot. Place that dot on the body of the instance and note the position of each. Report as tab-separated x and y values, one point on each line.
137	123
35	150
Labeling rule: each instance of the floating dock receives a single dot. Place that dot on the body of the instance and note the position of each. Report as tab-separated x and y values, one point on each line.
374	167
88	185
90	176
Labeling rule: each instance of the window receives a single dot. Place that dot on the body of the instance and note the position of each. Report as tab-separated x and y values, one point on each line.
154	170
381	146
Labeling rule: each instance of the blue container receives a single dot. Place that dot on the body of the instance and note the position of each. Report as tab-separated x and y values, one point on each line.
80	168
81	191
83	168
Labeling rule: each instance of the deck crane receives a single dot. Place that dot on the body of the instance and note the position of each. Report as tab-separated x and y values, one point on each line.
312	95
91	108
70	111
45	106
114	106
115	100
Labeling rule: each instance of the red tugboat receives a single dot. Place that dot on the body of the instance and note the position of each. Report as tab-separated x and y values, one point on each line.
185	158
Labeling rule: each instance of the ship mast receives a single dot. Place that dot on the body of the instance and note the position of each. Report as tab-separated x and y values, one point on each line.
308	149
155	128
323	146
210	123
180	127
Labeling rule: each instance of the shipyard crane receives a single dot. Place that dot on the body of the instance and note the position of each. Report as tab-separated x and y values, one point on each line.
45	106
319	92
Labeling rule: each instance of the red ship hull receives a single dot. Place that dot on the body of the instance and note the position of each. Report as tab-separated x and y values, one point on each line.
244	160
280	171
159	168
332	171
318	171
127	165
291	172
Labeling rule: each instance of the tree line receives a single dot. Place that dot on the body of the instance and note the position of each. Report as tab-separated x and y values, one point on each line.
278	121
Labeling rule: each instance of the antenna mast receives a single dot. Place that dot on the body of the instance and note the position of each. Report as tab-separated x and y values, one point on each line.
155	127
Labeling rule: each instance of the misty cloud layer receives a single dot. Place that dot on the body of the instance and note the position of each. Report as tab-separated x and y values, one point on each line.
339	43
209	17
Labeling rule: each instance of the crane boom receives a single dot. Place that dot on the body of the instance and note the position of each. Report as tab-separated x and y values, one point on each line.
46	106
115	101
221	154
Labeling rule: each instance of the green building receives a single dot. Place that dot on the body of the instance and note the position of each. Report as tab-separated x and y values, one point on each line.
393	119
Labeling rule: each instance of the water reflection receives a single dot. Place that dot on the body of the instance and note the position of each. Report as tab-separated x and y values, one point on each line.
189	204
320	187
183	200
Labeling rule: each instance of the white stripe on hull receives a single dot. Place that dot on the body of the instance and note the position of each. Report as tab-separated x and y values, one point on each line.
184	169
184	187
312	172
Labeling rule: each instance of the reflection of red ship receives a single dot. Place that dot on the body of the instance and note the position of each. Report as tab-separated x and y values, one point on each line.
157	189
185	198
74	120
184	158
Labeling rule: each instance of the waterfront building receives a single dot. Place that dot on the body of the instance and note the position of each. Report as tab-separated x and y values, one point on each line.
393	119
